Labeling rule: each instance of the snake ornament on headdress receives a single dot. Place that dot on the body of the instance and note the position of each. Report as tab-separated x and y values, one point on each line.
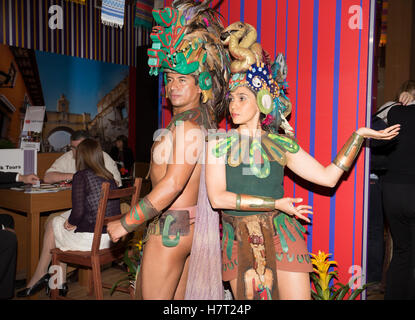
241	41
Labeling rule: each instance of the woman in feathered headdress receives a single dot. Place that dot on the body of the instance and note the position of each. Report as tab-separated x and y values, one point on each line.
264	250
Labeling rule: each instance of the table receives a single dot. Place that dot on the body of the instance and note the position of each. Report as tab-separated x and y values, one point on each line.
33	204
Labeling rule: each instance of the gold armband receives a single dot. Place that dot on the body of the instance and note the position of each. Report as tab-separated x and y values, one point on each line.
247	202
349	152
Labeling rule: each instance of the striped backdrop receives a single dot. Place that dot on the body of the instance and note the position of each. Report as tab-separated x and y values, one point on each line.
25	23
327	77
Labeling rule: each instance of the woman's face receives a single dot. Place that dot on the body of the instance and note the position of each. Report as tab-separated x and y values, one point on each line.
243	107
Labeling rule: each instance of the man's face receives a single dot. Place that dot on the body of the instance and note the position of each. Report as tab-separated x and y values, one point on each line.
182	90
74	145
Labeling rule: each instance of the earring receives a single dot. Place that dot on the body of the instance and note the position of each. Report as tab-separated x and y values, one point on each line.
205	97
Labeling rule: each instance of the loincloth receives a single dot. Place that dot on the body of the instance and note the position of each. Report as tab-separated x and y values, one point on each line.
284	248
172	224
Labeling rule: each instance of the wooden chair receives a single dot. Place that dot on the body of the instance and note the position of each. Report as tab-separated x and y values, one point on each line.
95	258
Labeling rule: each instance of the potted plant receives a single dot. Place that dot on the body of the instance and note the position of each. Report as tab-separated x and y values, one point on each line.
321	278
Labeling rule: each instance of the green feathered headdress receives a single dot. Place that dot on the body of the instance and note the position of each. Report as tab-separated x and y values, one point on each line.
187	41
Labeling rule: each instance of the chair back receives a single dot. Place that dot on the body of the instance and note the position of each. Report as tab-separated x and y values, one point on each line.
107	194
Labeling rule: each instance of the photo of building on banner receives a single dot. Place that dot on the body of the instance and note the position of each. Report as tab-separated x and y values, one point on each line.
32	128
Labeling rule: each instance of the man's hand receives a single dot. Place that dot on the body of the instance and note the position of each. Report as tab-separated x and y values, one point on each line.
405	98
116	230
28	178
53	177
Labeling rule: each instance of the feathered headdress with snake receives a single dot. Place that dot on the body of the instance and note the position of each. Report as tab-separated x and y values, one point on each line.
187	41
252	67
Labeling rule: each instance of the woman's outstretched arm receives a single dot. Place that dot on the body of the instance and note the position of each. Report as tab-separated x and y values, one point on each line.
308	168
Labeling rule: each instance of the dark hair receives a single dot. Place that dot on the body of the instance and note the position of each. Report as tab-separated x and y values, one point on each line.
407	86
89	156
123	139
79	135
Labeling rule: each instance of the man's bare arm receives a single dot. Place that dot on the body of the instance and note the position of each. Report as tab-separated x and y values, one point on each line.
53	177
185	153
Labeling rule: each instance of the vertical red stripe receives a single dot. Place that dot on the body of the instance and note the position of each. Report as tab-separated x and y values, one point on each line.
292	48
235	11
324	110
224	13
362	91
346	125
268	27
281	27
250	12
302	108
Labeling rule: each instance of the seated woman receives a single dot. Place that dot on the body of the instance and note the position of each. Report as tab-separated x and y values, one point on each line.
264	250
74	230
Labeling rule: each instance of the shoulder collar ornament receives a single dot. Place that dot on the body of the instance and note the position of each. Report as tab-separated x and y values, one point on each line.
258	152
197	115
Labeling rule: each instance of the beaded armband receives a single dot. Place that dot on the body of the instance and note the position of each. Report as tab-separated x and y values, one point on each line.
140	213
349	152
254	203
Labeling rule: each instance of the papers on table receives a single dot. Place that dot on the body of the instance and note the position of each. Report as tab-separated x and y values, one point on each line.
43	188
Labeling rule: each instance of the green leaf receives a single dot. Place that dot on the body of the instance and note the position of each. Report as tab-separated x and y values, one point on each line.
131	266
336	291
116	284
314	277
315	296
319	290
356	292
345	289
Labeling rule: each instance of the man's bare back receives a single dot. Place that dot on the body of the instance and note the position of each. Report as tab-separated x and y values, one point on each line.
188	197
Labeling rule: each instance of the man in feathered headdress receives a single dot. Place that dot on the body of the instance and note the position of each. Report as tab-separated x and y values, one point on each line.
176	265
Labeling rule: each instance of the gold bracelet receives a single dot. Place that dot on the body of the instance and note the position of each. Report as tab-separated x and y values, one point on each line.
238	202
246	202
349	152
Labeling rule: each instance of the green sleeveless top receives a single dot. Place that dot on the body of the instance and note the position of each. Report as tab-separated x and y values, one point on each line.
254	166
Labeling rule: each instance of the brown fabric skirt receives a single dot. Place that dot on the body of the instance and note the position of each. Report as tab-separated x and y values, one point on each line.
289	244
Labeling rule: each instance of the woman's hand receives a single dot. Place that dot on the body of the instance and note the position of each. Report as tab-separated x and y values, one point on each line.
385	134
286	205
68	226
